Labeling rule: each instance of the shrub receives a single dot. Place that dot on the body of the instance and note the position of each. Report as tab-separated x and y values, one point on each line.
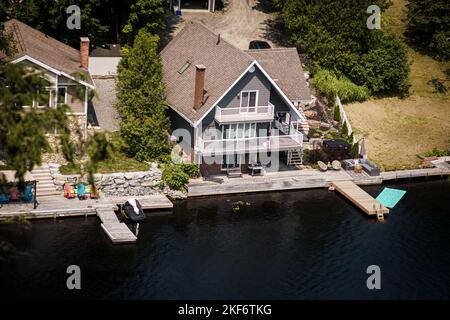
355	150
435	153
191	169
330	85
336	113
174	177
345	130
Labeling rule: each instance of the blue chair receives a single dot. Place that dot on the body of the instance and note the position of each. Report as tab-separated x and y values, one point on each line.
4	198
81	191
27	194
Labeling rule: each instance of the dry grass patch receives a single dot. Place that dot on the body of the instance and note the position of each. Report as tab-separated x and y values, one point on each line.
397	130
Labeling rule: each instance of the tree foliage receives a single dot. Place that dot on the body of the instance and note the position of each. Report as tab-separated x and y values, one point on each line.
429	26
103	21
334	36
141	99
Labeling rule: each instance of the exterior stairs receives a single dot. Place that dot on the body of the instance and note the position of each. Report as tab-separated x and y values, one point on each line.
294	158
45	185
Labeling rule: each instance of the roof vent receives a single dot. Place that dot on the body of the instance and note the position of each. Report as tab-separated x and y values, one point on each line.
218	39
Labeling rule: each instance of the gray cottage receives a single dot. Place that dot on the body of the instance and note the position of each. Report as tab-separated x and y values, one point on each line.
232	109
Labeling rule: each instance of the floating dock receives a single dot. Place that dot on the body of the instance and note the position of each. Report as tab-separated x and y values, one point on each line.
117	231
361	198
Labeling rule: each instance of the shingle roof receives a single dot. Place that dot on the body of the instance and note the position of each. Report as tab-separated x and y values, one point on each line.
195	45
284	67
45	49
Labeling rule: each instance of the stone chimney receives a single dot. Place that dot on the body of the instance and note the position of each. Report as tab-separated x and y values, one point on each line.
199	85
84	52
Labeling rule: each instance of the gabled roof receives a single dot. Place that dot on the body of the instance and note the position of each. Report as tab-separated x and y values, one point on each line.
195	45
47	50
109	50
285	68
225	64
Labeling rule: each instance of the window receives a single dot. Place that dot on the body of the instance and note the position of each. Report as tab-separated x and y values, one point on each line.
44	98
239	131
62	95
249	101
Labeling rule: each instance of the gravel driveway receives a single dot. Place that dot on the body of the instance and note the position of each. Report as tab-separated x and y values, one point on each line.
239	23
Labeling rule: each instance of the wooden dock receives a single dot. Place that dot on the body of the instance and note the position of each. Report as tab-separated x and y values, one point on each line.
117	231
360	198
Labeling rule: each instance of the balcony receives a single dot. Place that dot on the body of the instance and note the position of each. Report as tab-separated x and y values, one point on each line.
249	114
251	145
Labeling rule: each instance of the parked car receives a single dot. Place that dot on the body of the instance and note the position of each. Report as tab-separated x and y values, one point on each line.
258	44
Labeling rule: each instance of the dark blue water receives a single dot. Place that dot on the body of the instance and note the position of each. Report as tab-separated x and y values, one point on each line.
289	245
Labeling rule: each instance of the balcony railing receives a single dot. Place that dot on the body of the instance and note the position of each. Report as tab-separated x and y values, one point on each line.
251	145
249	114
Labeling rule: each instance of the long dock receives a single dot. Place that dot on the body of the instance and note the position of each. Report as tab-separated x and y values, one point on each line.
360	198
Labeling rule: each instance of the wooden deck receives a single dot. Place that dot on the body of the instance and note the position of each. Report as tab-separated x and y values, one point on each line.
360	198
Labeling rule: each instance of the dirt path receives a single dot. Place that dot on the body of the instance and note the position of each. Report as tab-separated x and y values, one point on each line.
239	23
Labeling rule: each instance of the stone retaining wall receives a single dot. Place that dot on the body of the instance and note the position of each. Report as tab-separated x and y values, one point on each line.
124	183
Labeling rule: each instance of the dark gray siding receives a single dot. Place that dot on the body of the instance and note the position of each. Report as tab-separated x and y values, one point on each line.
250	81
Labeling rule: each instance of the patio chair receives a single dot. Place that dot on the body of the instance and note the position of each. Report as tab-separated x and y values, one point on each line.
14	194
81	192
90	192
4	198
69	191
322	166
27	194
336	165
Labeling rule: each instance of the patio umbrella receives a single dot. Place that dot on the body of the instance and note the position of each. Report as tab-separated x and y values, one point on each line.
362	149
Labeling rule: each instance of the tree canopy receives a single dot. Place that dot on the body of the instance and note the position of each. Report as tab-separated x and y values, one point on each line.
141	99
334	36
429	26
103	21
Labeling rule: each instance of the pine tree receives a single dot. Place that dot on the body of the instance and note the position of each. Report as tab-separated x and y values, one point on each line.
141	99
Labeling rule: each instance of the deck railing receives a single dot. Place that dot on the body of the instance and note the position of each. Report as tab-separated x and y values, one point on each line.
257	113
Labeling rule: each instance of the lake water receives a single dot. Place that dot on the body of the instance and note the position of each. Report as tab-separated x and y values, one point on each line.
286	245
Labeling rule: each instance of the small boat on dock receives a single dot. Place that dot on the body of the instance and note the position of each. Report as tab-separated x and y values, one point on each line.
132	210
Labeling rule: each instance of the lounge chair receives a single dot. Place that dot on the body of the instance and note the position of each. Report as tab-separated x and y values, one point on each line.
322	166
4	198
27	194
90	192
336	165
69	191
14	194
81	192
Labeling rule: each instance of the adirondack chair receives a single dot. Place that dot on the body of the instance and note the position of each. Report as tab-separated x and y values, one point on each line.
14	194
90	192
81	191
4	198
69	191
27	194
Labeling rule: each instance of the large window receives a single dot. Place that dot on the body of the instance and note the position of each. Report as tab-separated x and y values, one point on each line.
239	131
44	98
249	101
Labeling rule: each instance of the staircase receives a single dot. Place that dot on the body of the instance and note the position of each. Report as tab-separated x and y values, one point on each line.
45	185
294	158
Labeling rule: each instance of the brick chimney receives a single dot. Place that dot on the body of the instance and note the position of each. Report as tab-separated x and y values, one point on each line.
199	85
84	52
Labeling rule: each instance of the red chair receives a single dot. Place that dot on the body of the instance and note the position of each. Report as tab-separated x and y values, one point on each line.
69	191
14	194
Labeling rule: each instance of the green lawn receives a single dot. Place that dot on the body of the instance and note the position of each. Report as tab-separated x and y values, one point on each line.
396	130
120	163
